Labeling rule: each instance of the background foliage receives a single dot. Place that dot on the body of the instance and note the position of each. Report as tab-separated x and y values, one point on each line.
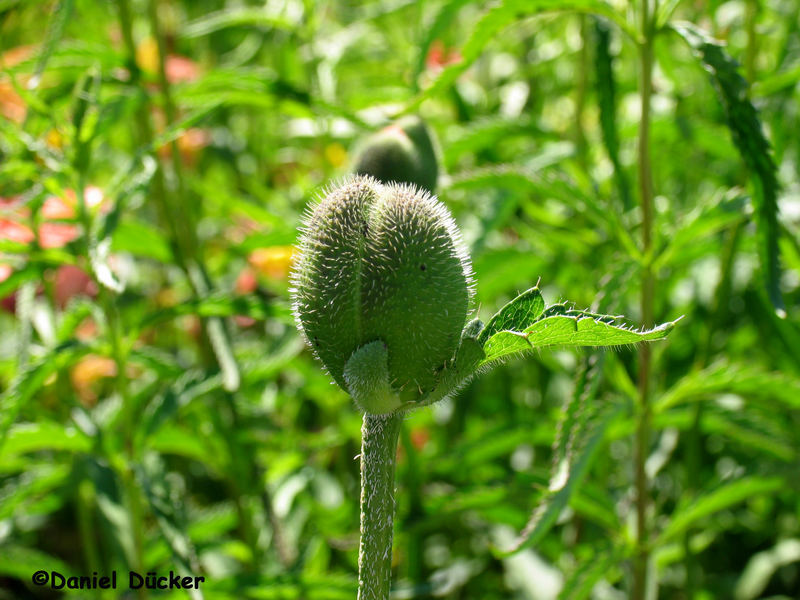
159	410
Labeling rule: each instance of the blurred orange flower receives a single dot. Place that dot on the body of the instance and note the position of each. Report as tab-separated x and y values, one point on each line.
12	106
178	69
190	142
87	372
273	262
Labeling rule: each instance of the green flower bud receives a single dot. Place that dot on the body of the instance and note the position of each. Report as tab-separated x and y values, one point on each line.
381	263
401	153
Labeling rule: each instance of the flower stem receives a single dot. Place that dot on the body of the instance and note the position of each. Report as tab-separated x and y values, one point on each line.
644	416
379	435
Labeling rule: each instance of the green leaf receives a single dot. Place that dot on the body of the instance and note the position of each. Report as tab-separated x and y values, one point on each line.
21	562
763	565
76	312
575	413
582	580
44	482
605	86
748	136
223	19
19	277
730	378
141	239
44	435
529	180
721	498
217	305
487	132
498	18
55	31
564	330
518	314
556	499
707	219
32	378
165	495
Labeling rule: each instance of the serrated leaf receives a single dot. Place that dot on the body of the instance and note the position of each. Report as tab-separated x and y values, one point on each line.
518	314
555	500
564	330
723	497
748	136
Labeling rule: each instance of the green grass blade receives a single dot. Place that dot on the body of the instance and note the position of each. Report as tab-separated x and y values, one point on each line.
240	17
55	31
722	497
605	86
748	381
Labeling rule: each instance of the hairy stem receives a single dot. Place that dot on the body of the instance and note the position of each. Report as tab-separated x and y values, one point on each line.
643	426
379	435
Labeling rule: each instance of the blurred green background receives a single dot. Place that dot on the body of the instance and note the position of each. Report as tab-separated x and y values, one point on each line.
159	410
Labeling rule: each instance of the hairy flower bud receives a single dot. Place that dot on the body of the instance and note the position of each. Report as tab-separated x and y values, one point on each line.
400	153
381	263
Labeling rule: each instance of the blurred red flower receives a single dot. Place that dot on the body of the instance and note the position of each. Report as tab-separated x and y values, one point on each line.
439	57
69	280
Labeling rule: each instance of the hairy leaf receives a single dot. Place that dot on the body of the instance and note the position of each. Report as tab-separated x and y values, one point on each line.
568	330
518	314
748	136
557	498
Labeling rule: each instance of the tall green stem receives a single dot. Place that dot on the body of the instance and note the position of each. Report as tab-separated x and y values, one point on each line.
580	93
643	427
379	435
